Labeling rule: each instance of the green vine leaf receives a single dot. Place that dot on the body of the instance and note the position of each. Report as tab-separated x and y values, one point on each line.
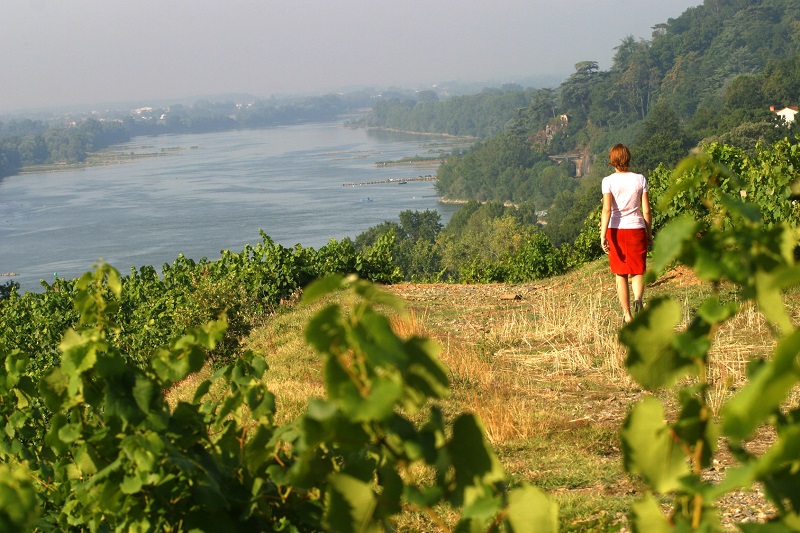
474	462
427	375
650	449
53	388
530	510
350	504
695	426
186	355
481	511
670	244
19	506
765	392
321	287
741	210
646	516
653	359
788	524
770	298
378	404
776	468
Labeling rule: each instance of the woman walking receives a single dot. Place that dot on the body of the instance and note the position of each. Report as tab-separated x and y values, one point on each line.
626	228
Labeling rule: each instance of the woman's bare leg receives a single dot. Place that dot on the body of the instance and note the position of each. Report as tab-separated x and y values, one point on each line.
637	284
623	293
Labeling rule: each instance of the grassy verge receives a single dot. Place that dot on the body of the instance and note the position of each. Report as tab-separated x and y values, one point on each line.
541	365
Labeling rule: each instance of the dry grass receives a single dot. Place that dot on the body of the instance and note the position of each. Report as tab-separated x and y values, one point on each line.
512	361
295	373
544	372
739	341
546	375
184	390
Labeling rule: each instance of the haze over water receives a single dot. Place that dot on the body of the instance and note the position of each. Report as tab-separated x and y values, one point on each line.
204	193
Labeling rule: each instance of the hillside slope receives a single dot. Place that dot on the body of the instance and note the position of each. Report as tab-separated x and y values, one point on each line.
541	365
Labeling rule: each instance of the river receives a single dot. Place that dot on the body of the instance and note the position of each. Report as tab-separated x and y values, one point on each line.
202	193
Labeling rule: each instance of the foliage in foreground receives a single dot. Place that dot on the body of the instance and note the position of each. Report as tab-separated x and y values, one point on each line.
92	443
155	308
733	243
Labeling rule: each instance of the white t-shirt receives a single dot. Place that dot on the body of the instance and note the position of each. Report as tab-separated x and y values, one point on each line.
626	190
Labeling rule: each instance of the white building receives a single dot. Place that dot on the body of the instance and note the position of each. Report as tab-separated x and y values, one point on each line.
787	113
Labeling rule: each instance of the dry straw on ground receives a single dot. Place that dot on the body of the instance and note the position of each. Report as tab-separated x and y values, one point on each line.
541	365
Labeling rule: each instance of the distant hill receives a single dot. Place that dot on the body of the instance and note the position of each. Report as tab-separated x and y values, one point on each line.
710	74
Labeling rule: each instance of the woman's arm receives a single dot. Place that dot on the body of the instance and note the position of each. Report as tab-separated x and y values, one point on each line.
648	217
605	218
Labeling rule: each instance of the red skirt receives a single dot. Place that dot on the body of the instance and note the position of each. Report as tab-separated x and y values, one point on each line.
627	250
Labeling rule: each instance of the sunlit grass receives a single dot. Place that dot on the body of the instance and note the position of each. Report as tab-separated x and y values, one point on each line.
545	373
295	373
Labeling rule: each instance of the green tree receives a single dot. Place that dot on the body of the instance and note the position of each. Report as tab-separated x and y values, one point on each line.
781	81
419	260
461	217
427	96
637	77
491	170
417	225
33	150
661	140
525	213
576	89
9	157
684	84
414	250
745	92
565	218
535	258
369	237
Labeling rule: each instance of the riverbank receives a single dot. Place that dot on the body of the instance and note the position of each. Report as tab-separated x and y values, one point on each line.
107	157
400	181
414	161
462	202
448	135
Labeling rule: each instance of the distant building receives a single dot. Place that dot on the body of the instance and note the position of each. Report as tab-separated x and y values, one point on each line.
787	113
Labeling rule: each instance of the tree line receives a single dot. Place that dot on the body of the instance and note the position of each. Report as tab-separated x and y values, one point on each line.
709	75
477	115
28	142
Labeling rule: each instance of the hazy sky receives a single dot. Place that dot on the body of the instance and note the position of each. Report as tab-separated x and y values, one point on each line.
64	52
